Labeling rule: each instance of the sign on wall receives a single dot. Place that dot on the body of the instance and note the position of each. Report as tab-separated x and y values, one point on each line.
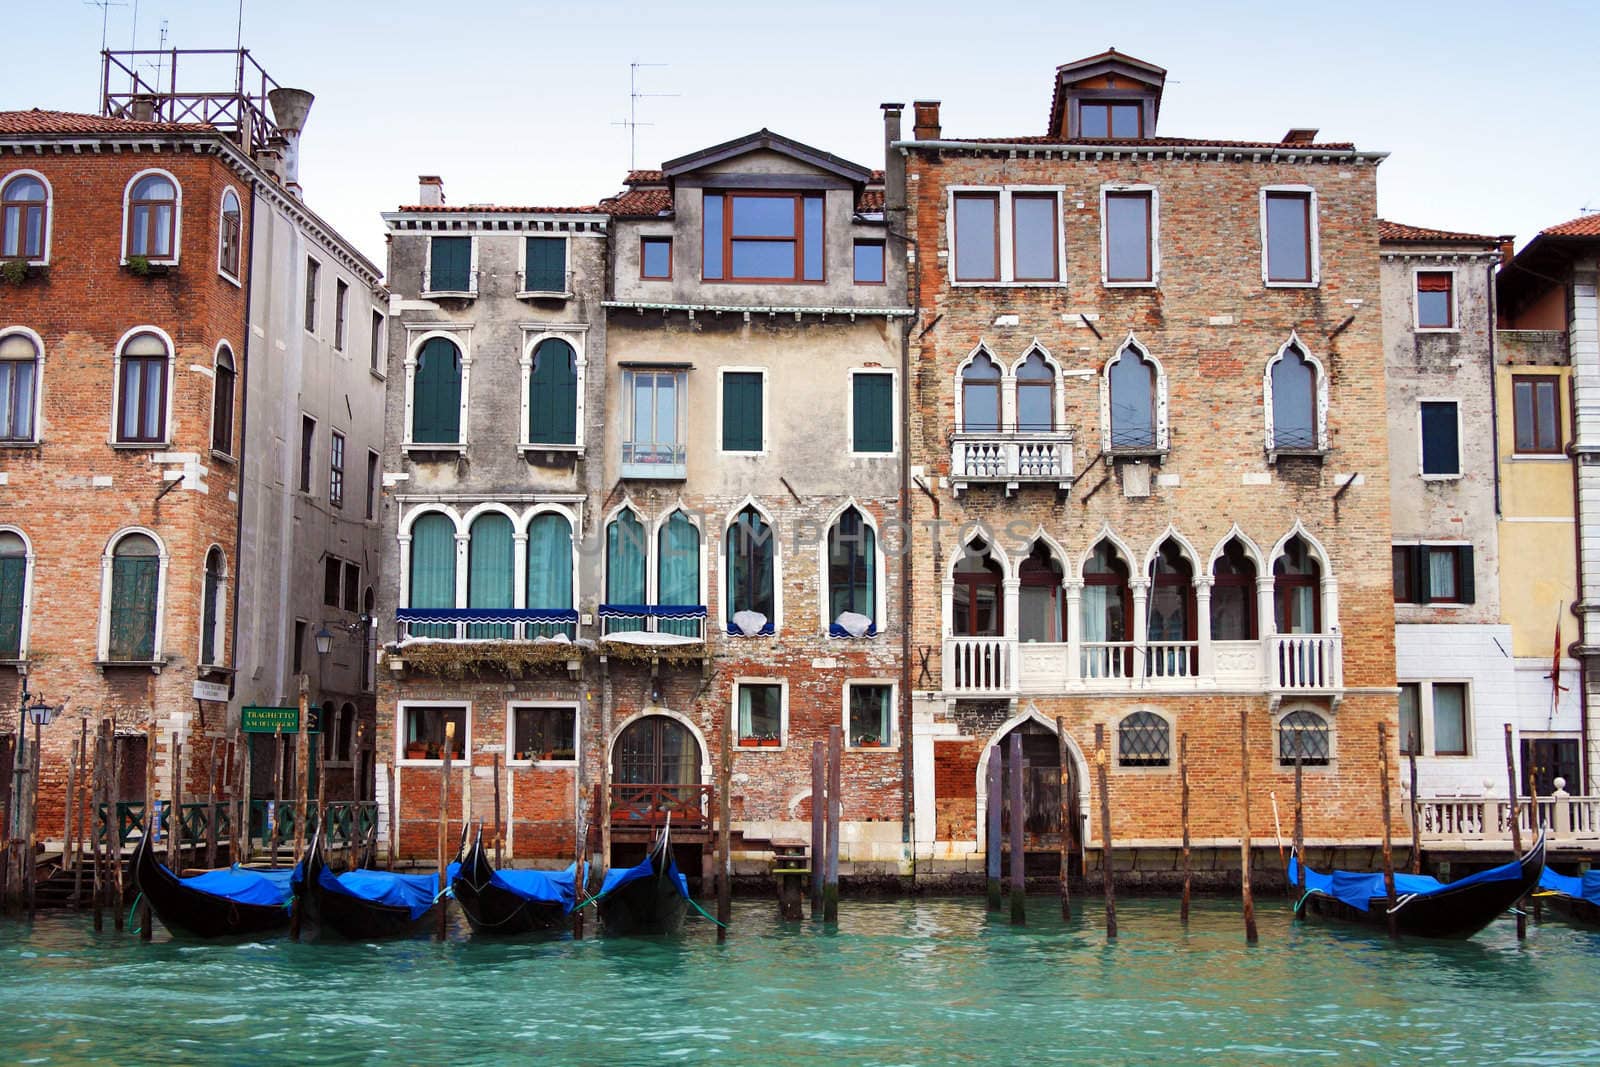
269	720
217	691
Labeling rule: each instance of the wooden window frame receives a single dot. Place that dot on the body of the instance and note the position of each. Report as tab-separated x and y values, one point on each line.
26	209
1151	265
955	229
742	740
131	212
164	365
889	743
1055	236
523	757
1422	441
654	238
230	236
1535	382
883	252
336	443
798	240
1108	105
222	407
1308	198
1283	584
1248	584
974	580
1449	326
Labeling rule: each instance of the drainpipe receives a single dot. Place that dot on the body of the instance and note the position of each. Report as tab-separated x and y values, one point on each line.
1494	392
244	424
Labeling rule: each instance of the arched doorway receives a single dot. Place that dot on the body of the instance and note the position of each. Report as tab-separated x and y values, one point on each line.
656	766
1041	791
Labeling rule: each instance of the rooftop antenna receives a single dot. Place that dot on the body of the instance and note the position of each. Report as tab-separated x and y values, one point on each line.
105	7
634	96
133	44
238	37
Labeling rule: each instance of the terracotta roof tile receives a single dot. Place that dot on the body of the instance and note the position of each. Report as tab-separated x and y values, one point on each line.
1582	226
644	177
1163	142
871	200
638	203
496	209
1399	231
72	122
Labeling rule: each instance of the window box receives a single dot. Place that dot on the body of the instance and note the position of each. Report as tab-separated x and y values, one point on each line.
760	742
417	750
866	741
140	267
18	272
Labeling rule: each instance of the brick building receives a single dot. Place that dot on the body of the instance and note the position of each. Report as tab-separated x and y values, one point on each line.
1149	445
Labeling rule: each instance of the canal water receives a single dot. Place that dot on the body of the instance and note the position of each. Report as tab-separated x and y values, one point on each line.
912	982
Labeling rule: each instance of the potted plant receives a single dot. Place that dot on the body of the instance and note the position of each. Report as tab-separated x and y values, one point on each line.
562	753
869	741
417	750
14	271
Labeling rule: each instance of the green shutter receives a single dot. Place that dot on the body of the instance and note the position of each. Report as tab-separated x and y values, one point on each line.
1469	586
873	411
451	266
436	394
13	573
553	395
1419	574
134	580
546	265
490	573
741	412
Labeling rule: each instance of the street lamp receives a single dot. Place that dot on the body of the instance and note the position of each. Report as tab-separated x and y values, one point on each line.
324	641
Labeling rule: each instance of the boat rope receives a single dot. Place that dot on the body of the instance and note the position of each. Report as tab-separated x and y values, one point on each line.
134	911
704	912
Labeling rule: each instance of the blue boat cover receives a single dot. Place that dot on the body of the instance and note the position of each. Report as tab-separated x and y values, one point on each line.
244	886
1585	887
413	891
618	879
1357	889
544	887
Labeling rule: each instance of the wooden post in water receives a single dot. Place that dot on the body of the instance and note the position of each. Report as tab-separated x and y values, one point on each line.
394	814
1388	842
277	797
214	782
1416	808
830	886
1299	826
1064	781
85	809
323	823
113	776
819	814
444	822
145	916
1183	817
239	807
1250	935
995	799
1019	872
98	826
358	840
1107	883
72	791
1533	819
577	821
175	818
724	809
1516	820
302	777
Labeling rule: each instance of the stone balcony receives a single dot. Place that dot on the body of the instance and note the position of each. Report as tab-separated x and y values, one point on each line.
1011	459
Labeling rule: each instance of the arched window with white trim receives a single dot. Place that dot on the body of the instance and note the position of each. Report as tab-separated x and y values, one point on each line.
549	579
1041	605
436	393
154	202
980	395
553	394
222	402
1233	594
25	219
13	594
1106	614
1036	394
1295	401
19	387
230	234
678	572
491	567
852	576
1171	614
136	565
1297	589
1131	381
213	608
144	365
432	578
751	576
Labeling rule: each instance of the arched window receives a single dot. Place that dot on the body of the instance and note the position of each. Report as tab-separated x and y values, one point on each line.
230	233
625	559
142	390
553	394
550	571
19	383
1144	739
1297	589
975	607
1172	614
655	750
433	570
24	218
13	592
1107	614
1036	394
678	572
213	608
222	403
1131	381
1233	595
153	217
1294	401
980	395
436	394
490	574
852	575
752	551
1304	733
135	590
1042	609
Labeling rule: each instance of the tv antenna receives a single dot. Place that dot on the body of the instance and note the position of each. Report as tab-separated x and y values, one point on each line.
105	7
634	96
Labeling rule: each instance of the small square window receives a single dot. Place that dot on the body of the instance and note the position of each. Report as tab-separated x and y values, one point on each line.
1441	438
544	733
1436	303
655	258
1536	414
425	731
869	262
871	715
760	714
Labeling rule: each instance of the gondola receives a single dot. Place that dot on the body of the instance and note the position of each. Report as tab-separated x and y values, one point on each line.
650	898
226	903
507	903
1575	898
363	905
1424	906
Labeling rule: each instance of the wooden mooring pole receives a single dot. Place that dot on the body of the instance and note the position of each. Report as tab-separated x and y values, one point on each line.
103	829
577	821
1416	807
72	795
175	818
276	818
444	823
1183	815
1388	832
302	773
145	915
830	888
1019	871
85	807
724	809
1515	818
1107	882
394	816
995	799
1299	825
1064	815
214	785
1248	896
819	814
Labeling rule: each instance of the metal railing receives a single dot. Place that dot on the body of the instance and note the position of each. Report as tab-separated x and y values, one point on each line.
240	109
655	459
486	624
450	283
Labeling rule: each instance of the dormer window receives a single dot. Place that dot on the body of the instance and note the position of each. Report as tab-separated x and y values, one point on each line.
1111	118
763	237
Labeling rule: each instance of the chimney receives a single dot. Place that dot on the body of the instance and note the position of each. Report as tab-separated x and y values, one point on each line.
894	163
270	157
430	190
289	108
926	127
142	108
1301	135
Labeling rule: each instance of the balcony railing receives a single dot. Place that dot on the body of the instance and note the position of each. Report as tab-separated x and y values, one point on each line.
1172	659
1011	458
655	459
450	283
486	624
1567	819
678	620
653	803
980	665
1300	663
1107	659
548	284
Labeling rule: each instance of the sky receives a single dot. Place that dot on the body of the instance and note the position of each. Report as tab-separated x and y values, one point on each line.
1486	108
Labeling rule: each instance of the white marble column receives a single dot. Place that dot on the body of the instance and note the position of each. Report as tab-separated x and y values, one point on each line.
1140	634
1202	624
1074	588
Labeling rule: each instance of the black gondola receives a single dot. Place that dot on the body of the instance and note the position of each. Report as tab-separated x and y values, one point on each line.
226	903
363	905
1575	898
511	902
1424	906
650	898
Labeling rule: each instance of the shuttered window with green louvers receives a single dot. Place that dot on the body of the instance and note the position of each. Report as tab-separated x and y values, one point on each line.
741	411
872	413
135	582
553	394
436	394
450	265
545	266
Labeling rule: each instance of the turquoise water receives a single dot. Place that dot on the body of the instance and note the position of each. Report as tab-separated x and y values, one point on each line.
900	982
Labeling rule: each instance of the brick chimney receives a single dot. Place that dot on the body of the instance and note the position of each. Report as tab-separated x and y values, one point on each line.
926	120
1301	135
430	190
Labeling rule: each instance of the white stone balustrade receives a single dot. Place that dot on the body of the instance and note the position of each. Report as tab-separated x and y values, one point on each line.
1011	458
1566	819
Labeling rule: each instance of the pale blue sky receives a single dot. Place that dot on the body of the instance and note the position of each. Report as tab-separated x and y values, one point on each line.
1487	108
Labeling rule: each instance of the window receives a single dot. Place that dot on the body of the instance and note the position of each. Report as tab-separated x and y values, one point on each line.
655	258
1131	384
1041	608
852	576
449	266
300	626
871	412
1144	739
372	484
871	717
975	605
222	403
336	469
549	570
742	410
1297	589
332	579
212	608
1129	245
1288	237
1410	719
1033	237
24	218
1036	394
752	558
491	584
1292	380
352	587
1306	734
544	733
341	301
1536	414
1436	300
142	391
13	592
153	218
625	567
436	393
763	237
1428	574
544	266
678	572
980	395
1441	438
1171	615
553	394
1233	594
313	279
432	575
376	342
1106	614
977	237
1121	119
308	440
19	381
337	732
869	263
425	731
230	234
653	441
135	592
1433	718
369	633
760	714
